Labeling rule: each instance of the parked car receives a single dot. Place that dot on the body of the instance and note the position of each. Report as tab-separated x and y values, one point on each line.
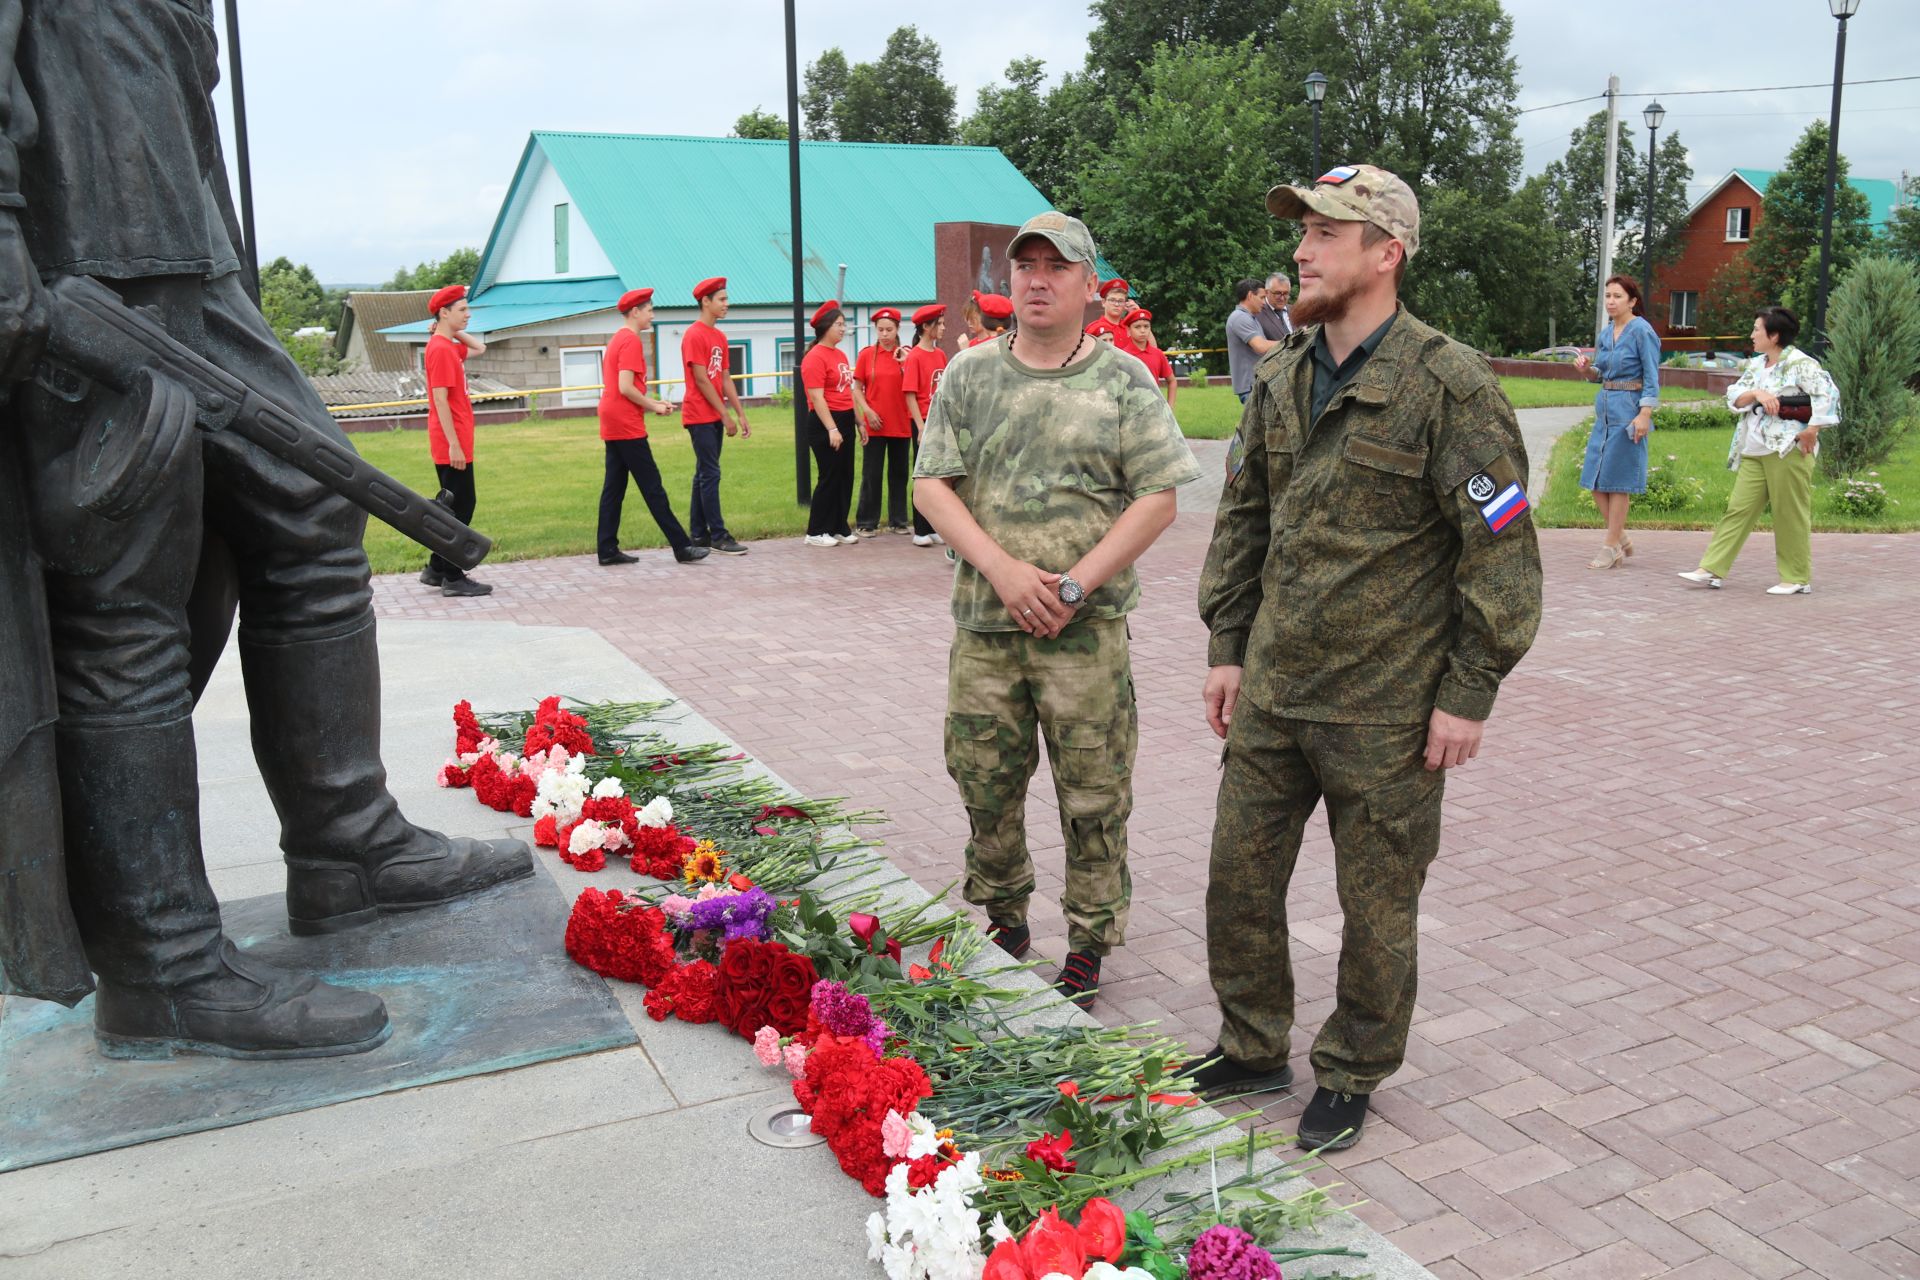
1564	353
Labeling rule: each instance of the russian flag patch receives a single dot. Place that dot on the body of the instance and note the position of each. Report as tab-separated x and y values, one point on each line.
1334	177
1503	507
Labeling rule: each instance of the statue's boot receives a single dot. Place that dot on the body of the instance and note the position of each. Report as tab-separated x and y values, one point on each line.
351	855
170	981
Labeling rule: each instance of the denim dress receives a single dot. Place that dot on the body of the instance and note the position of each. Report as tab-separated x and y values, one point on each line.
1615	464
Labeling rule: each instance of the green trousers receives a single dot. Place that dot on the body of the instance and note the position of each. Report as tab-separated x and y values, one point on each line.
1005	690
1785	484
1384	808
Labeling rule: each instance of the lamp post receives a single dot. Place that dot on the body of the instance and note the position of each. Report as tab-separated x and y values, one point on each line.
802	485
1653	115
1841	9
1316	90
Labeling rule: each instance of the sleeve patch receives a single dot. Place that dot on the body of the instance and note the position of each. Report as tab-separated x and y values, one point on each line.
1498	494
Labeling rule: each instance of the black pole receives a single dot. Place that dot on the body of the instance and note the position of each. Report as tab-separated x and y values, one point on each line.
250	249
1316	142
802	479
1646	255
1817	335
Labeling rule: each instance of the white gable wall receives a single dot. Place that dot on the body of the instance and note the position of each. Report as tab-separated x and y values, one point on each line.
527	253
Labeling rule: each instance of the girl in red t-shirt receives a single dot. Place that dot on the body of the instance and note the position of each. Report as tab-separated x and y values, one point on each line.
879	375
832	427
925	364
1140	346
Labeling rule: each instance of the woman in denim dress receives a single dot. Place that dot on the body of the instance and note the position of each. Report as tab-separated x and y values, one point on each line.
1627	358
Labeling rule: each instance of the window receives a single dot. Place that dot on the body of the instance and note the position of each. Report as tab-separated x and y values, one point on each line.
580	367
561	227
1740	224
783	361
1683	309
738	362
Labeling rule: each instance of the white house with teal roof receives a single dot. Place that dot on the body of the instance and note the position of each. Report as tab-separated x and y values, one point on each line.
590	215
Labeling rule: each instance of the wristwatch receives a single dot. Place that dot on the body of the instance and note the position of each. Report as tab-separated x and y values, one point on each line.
1071	592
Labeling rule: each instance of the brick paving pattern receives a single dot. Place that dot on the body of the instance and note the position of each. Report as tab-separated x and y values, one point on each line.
1670	961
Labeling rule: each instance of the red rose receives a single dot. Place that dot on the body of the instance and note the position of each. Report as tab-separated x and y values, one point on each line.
787	1014
1103	1229
792	976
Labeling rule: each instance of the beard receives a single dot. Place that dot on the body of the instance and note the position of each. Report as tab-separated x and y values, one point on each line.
1325	304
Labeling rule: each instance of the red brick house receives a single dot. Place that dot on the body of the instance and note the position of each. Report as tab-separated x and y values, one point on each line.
1718	228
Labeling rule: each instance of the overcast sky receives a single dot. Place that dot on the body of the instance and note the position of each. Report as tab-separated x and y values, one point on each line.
386	131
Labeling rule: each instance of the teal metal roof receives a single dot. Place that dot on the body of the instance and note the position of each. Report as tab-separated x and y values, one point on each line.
1881	194
511	306
671	211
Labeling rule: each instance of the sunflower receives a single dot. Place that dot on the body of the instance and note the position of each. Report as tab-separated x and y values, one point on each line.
704	863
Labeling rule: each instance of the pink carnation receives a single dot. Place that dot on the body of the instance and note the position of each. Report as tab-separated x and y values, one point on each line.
794	1056
766	1046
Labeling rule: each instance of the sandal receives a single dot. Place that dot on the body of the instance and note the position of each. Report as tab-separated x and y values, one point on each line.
1607	557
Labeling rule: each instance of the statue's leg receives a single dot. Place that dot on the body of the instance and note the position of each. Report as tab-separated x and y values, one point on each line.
312	667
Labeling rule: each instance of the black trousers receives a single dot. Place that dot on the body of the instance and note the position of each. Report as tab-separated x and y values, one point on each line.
635	458
886	454
921	527
459	483
833	489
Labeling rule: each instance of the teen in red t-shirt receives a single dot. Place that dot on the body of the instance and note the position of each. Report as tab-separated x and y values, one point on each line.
1111	326
450	426
996	316
1140	345
880	377
832	427
925	364
624	406
709	394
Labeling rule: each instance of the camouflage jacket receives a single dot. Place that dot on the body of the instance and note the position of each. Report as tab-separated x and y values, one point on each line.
1380	562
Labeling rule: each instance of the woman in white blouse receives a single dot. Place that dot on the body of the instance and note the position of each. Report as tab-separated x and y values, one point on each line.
1773	451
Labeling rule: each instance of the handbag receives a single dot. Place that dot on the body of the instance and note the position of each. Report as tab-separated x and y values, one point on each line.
1796	408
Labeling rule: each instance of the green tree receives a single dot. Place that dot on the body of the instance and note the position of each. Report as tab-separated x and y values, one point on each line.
1035	128
1787	229
1126	33
292	299
1671	175
458	267
760	124
1493	272
899	97
1903	229
822	88
1733	297
1874	353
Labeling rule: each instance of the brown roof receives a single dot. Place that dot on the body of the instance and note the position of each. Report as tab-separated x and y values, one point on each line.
381	388
377	310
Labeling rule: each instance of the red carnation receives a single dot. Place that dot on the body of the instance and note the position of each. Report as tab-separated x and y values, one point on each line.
553	727
1103	1229
617	939
466	729
848	1093
1052	1152
546	832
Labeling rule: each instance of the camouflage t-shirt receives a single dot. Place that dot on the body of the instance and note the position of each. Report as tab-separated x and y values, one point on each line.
1046	460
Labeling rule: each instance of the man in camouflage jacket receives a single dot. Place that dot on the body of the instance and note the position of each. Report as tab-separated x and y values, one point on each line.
1373	575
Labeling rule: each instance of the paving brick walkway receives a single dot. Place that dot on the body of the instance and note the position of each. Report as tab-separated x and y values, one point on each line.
1669	1021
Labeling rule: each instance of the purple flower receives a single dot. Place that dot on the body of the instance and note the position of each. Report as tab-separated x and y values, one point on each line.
841	1011
1228	1253
734	915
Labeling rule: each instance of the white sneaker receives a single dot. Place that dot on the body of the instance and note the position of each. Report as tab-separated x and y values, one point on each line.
1702	577
822	540
845	539
939	541
1791	589
925	539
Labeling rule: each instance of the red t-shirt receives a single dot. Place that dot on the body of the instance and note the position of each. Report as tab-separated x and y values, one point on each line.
825	368
983	339
702	345
1104	325
621	418
882	378
924	369
1123	341
1157	364
446	363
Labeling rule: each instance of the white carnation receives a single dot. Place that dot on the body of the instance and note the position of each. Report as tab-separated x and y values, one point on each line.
657	812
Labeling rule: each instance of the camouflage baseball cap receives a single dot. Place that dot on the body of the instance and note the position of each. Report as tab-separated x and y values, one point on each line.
1355	193
1069	235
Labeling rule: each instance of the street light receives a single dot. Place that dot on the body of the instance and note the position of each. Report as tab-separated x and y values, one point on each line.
1316	90
1841	9
1653	115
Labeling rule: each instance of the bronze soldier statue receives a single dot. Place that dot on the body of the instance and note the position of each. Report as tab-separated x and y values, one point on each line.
128	539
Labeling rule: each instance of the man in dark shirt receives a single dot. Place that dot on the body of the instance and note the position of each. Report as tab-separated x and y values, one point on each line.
1274	319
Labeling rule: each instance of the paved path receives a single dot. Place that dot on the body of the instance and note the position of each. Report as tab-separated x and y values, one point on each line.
1671	960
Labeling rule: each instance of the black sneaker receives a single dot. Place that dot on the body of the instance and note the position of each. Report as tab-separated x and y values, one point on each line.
697	542
1332	1121
1215	1074
1079	978
431	577
728	547
692	554
619	557
466	587
1014	939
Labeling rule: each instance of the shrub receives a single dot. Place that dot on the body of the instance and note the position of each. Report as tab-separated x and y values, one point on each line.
1874	337
1198	378
1707	415
783	396
1670	490
1861	497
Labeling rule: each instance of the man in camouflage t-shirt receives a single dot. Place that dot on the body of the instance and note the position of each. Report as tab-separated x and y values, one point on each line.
1049	465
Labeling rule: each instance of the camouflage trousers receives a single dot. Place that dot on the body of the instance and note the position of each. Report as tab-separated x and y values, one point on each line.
1384	809
1077	691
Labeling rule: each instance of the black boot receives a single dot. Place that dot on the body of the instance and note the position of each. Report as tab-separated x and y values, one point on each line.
170	981
315	709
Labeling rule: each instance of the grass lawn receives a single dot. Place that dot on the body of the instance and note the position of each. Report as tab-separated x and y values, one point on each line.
1704	454
1543	393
